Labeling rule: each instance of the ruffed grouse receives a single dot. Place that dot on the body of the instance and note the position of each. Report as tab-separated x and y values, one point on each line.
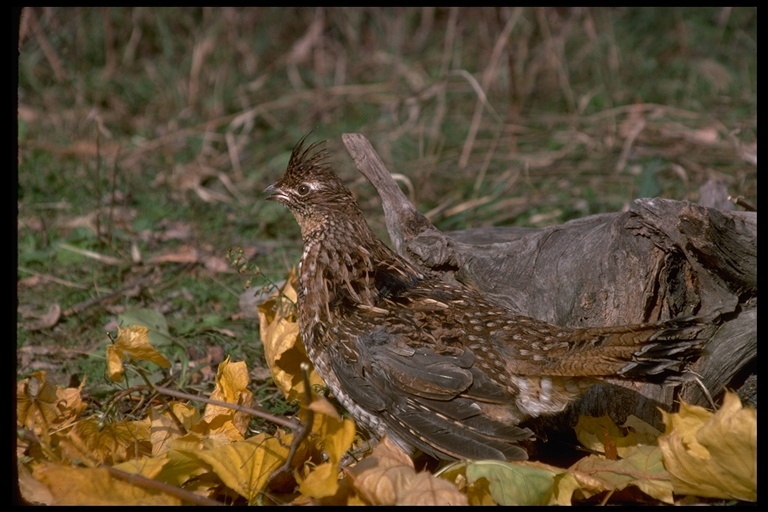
437	366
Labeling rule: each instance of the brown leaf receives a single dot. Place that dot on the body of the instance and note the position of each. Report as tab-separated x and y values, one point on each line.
427	489
383	474
387	477
183	254
47	320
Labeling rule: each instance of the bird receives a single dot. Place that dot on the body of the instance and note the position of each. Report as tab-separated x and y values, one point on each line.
437	367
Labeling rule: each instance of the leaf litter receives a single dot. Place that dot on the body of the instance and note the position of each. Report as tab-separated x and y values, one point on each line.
190	455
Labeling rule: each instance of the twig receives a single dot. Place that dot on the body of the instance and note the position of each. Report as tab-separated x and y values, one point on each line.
148	483
635	130
77	308
293	425
54	279
739	200
306	426
94	255
174	418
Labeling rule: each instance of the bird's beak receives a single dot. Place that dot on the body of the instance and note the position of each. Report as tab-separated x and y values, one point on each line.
273	193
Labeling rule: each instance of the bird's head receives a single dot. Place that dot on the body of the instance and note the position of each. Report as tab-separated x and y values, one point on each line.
312	191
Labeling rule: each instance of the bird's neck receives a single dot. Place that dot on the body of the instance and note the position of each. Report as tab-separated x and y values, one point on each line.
345	265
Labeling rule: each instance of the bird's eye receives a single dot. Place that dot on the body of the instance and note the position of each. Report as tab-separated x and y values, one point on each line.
303	189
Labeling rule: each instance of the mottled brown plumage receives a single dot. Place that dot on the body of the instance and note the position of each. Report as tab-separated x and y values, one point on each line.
437	366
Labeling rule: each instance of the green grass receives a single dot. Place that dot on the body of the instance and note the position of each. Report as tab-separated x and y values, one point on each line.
155	130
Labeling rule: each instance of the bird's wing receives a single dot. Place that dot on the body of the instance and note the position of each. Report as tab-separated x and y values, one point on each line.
431	398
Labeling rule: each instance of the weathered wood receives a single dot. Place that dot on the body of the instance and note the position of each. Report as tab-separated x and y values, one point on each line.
662	259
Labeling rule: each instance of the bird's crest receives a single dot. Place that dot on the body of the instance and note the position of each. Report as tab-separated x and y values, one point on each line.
306	161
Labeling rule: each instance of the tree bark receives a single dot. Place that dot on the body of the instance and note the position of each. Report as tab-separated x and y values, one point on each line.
662	259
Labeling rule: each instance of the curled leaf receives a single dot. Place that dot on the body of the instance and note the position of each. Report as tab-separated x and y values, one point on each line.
232	387
132	342
712	455
42	407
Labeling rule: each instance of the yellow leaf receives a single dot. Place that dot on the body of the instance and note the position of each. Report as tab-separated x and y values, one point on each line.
566	484
180	467
42	407
283	349
148	467
70	485
245	466
712	454
232	387
646	433
321	482
108	442
333	436
163	429
334	433
133	341
322	406
115	369
602	435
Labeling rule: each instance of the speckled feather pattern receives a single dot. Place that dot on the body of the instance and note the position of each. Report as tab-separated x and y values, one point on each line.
436	366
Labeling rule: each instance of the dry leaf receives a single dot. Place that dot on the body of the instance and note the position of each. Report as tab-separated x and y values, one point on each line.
333	436
182	254
133	342
48	319
595	432
641	467
245	466
712	454
70	485
106	442
232	381
383	474
282	347
33	491
42	407
387	477
163	429
427	489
